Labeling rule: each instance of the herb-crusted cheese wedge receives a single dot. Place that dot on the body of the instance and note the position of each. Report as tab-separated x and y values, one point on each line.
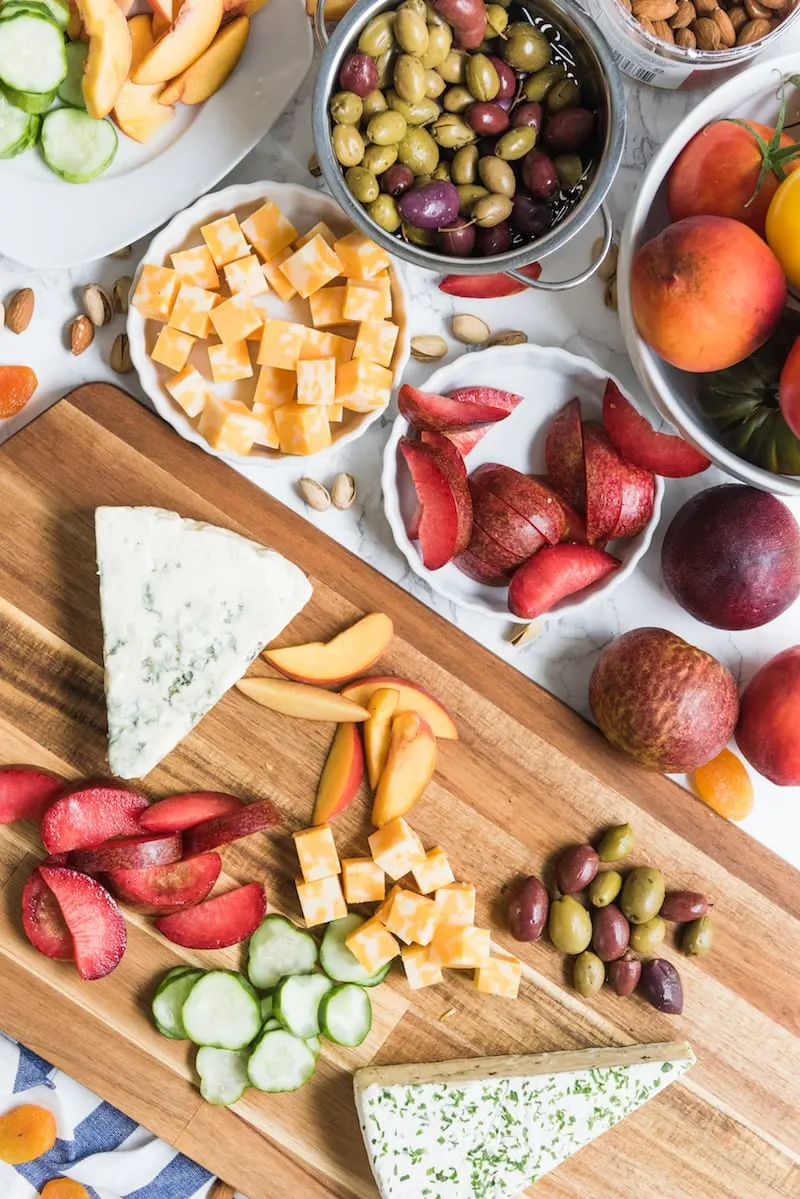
186	607
488	1128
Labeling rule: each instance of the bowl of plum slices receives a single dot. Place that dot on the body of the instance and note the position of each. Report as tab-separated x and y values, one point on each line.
521	482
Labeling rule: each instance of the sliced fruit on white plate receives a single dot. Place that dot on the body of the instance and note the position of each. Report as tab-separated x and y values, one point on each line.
110	51
208	73
191	33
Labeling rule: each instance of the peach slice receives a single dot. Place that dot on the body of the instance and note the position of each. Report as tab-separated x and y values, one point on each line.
142	38
409	768
341	775
207	75
190	34
109	59
348	654
139	110
378	731
413	698
298	699
160	24
164	9
74	28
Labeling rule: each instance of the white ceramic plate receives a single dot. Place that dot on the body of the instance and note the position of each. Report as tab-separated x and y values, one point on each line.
304	208
547	377
45	222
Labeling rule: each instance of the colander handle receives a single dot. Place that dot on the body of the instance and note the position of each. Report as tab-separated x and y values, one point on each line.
576	280
319	24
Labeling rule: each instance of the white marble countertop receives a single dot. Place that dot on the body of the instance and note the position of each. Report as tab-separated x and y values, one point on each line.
563	657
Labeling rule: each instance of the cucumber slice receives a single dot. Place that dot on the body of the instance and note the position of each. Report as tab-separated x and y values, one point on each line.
18	130
315	1045
297	1001
222	1010
32	54
168	1001
280	1062
223	1074
271	1024
71	89
266	1006
36	8
278	949
345	1014
32	102
75	146
338	962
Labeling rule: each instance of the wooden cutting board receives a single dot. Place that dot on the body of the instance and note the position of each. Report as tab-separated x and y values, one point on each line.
527	778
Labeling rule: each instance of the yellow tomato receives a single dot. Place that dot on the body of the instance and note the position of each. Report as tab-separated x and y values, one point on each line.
783	227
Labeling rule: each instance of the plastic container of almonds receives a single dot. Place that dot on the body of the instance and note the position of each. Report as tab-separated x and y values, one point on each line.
690	43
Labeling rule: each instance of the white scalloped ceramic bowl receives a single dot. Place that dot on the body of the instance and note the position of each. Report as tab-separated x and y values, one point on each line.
304	208
547	377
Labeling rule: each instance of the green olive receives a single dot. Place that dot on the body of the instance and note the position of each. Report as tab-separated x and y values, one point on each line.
464	167
374	103
537	86
497	175
526	49
411	31
385	64
468	196
451	132
515	143
492	210
457	98
588	973
434	84
434	17
648	938
616	843
496	19
419	151
453	68
379	158
417	6
569	925
418	237
348	145
362	184
564	94
346	108
383	211
642	894
440	43
482	78
569	169
425	177
409	79
604	888
421	113
377	36
698	937
387	128
442	172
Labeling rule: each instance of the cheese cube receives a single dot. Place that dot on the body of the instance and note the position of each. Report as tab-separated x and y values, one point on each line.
196	266
191	308
267	434
385	908
376	341
459	948
412	918
367	300
316	381
335	413
275	277
396	848
246	274
434	872
316	850
257	334
230	362
280	344
501	976
302	428
360	257
321	901
364	882
274	387
225	239
320	228
269	231
420	970
327	307
235	318
456	904
189	389
318	344
372	946
383	284
363	386
172	348
228	425
155	292
312	267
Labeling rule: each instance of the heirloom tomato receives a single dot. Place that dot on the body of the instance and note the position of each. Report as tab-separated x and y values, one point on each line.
783	227
789	389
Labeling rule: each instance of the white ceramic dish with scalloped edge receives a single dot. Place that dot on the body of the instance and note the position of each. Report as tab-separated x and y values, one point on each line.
547	377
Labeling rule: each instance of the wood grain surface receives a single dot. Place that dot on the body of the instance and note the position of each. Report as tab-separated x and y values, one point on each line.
526	778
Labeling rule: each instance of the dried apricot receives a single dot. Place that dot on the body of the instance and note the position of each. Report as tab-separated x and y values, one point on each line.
63	1188
26	1133
725	786
17	385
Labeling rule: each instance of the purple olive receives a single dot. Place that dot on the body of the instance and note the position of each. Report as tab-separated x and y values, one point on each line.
610	933
569	129
528	216
527	912
661	985
487	118
457	242
508	80
358	73
505	103
430	206
576	868
531	114
624	974
539	175
495	240
398	179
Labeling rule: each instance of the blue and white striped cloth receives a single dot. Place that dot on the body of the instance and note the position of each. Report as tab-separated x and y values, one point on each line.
98	1146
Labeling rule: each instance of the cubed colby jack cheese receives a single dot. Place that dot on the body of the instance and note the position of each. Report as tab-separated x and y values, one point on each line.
316	852
488	1128
363	880
185	608
321	901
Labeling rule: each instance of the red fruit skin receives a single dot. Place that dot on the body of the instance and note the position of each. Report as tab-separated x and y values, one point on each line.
439	525
639	444
495	559
638	495
788	392
576	526
768	732
467	438
253	818
217	923
604	475
537	503
563	453
438	413
93	918
506	401
554	573
481	571
90	814
455	472
487	287
179	812
413	523
129	853
42	922
25	792
164	889
504	524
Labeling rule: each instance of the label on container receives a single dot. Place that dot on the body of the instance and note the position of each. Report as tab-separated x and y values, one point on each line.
638	62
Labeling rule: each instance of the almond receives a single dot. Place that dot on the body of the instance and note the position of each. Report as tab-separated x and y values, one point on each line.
684	16
663	31
753	31
20	310
705	7
120	357
685	39
81	335
757	11
726	30
738	17
777	5
707	33
654	10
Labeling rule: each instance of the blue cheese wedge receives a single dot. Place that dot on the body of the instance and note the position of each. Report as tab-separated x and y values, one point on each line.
489	1127
186	607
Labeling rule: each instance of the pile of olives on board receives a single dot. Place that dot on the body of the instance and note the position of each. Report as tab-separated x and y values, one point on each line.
626	916
464	152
